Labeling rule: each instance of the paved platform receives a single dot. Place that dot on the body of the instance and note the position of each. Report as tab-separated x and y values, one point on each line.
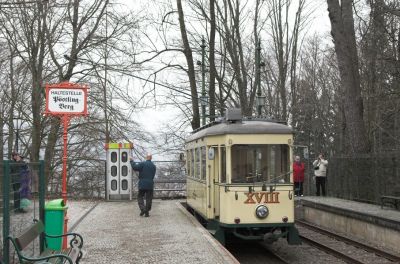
114	232
386	217
364	221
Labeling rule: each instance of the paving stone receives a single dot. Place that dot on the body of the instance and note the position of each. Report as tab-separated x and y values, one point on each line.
115	233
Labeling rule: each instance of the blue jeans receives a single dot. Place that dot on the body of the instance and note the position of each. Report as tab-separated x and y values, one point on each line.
298	188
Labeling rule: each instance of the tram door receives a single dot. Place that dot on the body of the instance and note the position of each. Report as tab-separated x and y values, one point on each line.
118	171
215	179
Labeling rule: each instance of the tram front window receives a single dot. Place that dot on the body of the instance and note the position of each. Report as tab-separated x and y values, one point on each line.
260	163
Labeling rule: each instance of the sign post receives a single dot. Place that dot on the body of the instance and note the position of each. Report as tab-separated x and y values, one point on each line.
66	100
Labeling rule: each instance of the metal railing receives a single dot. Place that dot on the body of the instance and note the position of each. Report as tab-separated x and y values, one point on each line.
364	178
23	192
170	181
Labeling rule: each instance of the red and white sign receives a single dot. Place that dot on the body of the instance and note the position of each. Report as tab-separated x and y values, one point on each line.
66	99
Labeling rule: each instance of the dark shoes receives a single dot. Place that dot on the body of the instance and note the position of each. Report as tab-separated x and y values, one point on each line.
146	214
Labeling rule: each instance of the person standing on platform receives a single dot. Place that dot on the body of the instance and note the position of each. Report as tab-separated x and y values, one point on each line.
20	181
298	176
147	171
320	165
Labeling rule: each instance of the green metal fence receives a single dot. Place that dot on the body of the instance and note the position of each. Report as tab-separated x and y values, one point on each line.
365	177
22	195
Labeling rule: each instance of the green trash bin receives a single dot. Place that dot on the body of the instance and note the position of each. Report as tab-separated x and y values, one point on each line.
55	211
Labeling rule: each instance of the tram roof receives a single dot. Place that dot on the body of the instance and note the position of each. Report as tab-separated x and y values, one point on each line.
243	127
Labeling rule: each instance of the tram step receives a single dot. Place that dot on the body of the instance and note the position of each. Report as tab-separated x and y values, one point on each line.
212	231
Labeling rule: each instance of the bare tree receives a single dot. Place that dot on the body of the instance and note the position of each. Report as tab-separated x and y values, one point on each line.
342	23
59	43
80	40
191	73
285	47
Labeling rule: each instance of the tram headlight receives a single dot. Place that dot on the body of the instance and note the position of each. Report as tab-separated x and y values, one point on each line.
262	211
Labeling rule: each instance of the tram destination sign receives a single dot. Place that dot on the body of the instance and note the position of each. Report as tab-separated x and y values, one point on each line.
66	99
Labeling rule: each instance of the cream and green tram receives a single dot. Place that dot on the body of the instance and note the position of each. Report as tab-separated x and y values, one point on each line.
239	179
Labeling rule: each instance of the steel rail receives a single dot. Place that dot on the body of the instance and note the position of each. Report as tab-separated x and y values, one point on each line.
169	190
331	251
170	181
274	254
366	247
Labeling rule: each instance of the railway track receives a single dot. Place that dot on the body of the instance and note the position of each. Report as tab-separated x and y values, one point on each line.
348	250
253	252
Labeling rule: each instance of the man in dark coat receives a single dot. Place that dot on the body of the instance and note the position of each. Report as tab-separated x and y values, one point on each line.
147	171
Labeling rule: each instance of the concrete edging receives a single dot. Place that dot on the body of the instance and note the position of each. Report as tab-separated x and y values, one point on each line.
218	247
361	216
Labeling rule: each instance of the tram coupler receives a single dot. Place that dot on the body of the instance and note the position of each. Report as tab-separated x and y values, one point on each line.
271	237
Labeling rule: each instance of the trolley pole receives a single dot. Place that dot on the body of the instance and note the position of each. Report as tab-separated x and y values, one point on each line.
260	100
258	79
203	88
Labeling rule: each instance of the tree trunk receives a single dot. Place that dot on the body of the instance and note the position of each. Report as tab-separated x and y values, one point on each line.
51	144
37	60
374	47
14	99
191	73
1	140
244	98
293	66
342	24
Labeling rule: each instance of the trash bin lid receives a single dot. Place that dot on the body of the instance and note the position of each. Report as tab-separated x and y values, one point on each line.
57	204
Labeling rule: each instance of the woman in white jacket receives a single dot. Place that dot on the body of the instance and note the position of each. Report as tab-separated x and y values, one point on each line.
320	165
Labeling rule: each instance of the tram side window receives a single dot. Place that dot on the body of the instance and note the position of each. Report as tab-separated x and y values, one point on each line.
285	166
203	163
223	165
188	160
197	166
192	172
279	168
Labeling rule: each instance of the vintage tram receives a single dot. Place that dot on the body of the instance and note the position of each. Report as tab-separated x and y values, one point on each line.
239	179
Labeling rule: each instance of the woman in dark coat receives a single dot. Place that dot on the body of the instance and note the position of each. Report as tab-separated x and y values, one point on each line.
21	182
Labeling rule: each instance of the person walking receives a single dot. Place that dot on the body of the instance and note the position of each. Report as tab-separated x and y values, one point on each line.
320	165
298	176
147	171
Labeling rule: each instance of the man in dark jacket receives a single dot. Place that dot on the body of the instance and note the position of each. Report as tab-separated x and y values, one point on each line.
147	171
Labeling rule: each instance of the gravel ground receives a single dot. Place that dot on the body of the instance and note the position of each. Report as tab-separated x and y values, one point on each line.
302	254
76	209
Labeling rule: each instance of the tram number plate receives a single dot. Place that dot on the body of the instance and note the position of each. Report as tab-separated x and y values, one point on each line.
261	197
